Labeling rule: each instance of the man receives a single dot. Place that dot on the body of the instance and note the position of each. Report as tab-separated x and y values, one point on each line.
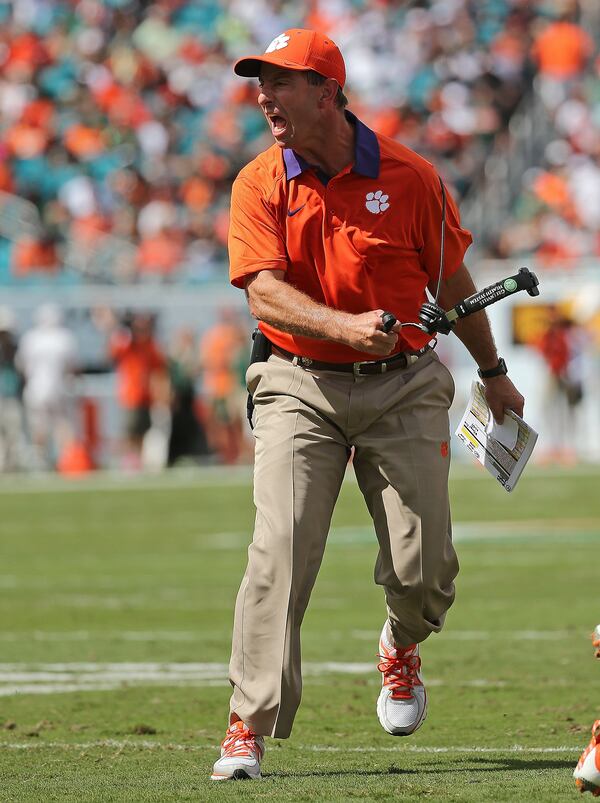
142	386
222	346
47	357
329	227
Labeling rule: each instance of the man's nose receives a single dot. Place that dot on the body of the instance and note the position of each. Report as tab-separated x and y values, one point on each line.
264	96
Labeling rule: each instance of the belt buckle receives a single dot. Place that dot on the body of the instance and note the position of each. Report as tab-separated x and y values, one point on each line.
357	365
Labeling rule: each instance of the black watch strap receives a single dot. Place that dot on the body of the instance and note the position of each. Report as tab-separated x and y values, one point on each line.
499	370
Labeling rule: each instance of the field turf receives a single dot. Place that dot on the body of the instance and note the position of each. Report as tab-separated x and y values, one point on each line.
116	601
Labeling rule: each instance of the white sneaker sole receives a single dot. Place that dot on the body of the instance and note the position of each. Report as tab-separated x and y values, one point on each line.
383	721
237	775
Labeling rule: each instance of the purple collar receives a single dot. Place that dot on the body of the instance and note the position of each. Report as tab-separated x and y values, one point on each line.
366	155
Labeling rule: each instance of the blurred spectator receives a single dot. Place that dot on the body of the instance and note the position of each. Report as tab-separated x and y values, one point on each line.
223	350
561	347
562	50
35	255
141	377
47	358
11	413
188	439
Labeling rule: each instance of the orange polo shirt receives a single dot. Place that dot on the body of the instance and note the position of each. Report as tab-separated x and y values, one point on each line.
367	238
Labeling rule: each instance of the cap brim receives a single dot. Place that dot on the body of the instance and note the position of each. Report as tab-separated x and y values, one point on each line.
249	66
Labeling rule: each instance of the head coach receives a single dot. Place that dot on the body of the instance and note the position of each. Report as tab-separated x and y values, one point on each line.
330	226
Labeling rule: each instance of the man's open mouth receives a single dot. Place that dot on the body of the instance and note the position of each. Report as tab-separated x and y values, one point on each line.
278	124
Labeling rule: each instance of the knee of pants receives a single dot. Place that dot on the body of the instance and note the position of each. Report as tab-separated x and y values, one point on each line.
413	582
420	600
265	573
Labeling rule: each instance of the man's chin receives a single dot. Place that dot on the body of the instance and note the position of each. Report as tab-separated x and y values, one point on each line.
283	140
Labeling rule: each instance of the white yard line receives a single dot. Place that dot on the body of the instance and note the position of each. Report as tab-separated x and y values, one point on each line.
486	635
198	636
146	744
62	678
463	531
110	635
69	688
516	748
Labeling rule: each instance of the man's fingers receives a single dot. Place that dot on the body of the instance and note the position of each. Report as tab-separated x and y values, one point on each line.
368	334
381	344
502	395
498	413
388	338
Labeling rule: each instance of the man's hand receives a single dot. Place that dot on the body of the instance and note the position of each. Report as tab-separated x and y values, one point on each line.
502	395
364	332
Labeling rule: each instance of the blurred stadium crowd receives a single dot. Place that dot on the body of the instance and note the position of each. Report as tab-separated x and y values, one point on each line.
122	124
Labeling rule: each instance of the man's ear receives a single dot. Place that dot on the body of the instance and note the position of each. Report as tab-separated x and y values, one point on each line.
328	90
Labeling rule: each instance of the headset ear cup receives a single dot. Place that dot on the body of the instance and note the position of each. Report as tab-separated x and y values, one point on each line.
433	318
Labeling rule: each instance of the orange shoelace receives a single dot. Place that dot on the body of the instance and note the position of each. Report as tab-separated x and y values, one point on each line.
592	745
239	741
400	673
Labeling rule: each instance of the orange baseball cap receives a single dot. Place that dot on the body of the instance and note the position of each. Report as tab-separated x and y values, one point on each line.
298	49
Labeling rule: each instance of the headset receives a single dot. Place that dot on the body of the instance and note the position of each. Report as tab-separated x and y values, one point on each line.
434	320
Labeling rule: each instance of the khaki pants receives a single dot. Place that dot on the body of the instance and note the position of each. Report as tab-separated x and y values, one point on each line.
306	422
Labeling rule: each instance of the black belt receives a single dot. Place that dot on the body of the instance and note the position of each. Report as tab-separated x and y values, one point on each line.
364	368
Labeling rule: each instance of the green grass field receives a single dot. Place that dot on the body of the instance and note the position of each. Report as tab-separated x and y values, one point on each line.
116	601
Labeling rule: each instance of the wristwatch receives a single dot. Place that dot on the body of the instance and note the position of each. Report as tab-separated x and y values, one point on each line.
499	370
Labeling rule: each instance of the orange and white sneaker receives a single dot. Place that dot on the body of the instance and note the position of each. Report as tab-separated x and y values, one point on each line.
596	641
402	701
241	754
587	771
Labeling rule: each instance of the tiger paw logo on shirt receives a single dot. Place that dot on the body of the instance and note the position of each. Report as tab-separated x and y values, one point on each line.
377	202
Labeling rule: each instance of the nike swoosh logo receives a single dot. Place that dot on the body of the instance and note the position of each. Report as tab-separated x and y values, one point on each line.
292	212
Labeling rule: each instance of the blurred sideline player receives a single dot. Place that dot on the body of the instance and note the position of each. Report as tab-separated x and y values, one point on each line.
587	771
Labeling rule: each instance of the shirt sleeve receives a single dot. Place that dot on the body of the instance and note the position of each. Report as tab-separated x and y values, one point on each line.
456	239
256	241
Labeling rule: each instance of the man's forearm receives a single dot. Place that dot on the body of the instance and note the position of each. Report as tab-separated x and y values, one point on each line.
476	334
283	306
273	300
474	331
